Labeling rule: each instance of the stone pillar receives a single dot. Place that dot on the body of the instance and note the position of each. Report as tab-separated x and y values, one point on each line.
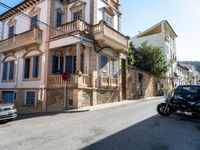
94	78
75	99
120	79
78	56
94	91
43	99
86	60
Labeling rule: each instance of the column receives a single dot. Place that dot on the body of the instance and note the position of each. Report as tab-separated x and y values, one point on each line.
78	56
86	60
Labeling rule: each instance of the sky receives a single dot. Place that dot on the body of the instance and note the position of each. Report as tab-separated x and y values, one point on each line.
139	15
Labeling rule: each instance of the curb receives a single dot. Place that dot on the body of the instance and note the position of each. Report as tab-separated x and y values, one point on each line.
118	104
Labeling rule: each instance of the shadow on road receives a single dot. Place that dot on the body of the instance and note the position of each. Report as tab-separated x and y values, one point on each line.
155	133
33	115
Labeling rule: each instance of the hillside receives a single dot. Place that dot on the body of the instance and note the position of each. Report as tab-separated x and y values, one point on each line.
195	63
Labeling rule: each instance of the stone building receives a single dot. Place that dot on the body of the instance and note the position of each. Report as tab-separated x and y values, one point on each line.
42	39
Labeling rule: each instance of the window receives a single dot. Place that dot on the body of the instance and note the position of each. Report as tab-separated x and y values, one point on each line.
57	65
31	65
113	68
104	65
30	98
34	22
35	67
59	19
108	19
78	15
9	96
8	71
11	31
27	68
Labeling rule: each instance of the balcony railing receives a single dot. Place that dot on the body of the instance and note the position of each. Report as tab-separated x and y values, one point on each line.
74	81
110	33
69	27
33	36
100	29
108	82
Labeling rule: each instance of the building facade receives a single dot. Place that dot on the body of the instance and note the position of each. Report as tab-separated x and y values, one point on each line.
163	36
182	73
42	39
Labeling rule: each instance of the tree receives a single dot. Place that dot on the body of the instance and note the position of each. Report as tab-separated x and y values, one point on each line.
148	58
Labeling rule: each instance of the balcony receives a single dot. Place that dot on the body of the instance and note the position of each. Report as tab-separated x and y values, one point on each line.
70	27
108	82
110	36
27	38
101	32
82	81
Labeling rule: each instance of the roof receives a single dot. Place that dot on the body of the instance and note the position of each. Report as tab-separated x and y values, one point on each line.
156	29
18	8
183	66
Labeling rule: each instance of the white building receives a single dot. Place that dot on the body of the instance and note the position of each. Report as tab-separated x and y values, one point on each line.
161	35
42	39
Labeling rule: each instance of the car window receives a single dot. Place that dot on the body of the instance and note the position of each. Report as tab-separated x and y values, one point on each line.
188	89
1	100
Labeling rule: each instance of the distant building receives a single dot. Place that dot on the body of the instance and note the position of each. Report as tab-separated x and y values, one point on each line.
182	73
161	35
192	73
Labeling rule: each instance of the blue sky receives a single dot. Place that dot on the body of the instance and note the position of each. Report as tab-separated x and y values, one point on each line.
183	15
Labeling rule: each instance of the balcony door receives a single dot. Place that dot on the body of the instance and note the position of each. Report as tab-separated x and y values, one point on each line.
69	64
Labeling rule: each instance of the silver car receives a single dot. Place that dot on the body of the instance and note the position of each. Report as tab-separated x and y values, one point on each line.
8	111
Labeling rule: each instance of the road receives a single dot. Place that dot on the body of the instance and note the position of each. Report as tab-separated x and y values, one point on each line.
135	126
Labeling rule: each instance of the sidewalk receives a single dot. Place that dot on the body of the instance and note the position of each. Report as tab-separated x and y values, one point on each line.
111	105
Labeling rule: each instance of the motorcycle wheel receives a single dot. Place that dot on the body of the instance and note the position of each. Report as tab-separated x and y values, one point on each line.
163	110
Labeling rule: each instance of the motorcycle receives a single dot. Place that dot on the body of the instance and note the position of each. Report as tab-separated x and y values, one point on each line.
178	105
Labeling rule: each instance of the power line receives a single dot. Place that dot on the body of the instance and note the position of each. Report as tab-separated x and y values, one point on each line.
42	23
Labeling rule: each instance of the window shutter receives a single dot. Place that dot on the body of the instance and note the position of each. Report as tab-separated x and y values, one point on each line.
69	64
35	66
82	63
74	64
59	19
26	68
11	32
11	72
33	22
61	65
5	70
8	96
30	98
54	64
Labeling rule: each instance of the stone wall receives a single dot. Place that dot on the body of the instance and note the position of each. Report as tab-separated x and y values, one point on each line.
140	84
107	96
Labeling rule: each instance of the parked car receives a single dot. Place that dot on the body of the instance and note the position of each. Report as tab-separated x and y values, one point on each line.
189	92
8	111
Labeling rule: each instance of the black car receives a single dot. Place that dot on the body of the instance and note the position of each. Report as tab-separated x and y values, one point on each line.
189	92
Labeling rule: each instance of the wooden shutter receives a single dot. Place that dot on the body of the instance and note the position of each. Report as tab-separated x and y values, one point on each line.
35	67
5	70
11	71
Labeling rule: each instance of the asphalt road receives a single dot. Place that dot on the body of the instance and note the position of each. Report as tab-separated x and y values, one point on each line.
135	126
